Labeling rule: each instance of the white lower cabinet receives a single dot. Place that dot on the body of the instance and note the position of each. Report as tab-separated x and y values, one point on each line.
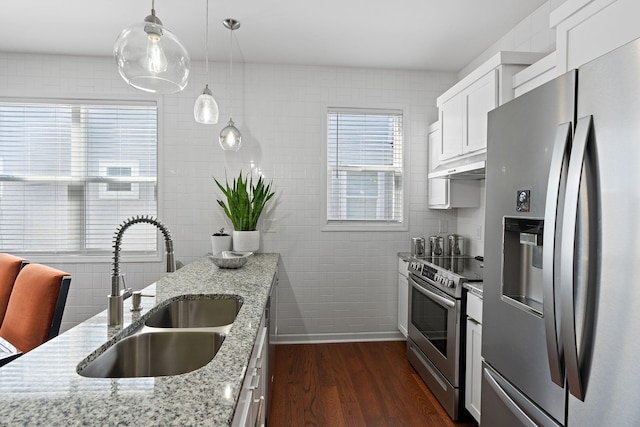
473	376
403	296
251	409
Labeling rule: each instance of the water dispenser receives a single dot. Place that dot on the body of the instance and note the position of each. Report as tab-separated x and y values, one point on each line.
522	263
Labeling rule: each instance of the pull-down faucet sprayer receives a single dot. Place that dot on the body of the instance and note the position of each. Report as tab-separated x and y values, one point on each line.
117	296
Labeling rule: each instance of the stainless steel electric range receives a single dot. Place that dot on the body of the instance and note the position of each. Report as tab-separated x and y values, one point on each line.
435	345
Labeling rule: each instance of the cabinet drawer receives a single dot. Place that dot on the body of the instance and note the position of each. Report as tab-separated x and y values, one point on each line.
474	307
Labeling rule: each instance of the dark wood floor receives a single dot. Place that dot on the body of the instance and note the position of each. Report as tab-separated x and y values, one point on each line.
351	384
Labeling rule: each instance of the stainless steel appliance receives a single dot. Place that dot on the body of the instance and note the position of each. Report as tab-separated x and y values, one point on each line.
560	323
435	331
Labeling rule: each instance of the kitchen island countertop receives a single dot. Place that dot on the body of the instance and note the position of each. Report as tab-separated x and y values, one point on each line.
43	387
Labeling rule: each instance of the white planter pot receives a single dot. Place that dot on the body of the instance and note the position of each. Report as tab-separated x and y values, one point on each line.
220	243
246	241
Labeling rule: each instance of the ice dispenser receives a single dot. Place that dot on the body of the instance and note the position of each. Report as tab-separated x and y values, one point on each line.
522	263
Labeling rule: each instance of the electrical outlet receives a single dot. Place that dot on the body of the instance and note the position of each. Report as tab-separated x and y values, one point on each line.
479	232
443	226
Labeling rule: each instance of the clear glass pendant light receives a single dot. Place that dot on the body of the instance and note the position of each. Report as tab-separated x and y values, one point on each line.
151	58
205	110
230	137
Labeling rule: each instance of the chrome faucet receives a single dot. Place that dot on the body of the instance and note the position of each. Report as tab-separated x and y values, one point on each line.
117	297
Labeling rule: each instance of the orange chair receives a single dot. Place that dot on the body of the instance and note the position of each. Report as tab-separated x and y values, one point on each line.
10	266
35	308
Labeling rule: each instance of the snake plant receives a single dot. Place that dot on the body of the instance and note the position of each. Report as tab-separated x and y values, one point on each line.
245	201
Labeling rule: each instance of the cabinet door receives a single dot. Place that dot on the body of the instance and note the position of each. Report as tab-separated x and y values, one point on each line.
438	189
480	98
260	385
403	304
438	193
451	126
473	376
251	407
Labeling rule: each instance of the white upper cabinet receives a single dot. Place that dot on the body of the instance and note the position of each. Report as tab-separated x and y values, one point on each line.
535	75
438	190
463	118
451	121
587	29
480	98
444	193
464	107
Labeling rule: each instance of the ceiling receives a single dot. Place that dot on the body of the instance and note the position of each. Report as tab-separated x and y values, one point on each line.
401	34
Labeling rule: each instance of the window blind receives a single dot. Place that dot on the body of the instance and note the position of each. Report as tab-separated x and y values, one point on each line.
72	171
364	165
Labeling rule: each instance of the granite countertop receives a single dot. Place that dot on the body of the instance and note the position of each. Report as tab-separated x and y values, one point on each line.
406	256
43	387
475	288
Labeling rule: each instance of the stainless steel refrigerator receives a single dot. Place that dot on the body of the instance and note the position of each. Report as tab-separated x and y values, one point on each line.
561	323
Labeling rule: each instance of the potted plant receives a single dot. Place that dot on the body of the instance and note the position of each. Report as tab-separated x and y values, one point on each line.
244	205
220	241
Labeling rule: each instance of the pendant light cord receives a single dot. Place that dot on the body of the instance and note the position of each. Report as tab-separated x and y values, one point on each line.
230	71
206	44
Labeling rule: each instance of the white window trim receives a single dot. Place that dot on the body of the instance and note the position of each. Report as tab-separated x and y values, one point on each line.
24	95
338	226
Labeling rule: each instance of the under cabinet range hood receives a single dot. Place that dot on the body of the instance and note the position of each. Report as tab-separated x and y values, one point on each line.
467	168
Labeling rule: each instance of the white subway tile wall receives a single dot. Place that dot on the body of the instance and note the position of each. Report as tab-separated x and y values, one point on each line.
333	285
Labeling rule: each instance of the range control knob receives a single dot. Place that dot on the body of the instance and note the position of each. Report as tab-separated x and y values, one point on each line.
450	283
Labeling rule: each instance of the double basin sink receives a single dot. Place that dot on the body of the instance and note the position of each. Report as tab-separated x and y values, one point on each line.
180	337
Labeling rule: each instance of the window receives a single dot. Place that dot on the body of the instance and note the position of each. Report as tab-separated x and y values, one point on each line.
72	171
116	189
364	166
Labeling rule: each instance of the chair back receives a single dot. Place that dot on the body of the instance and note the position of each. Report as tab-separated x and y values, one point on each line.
10	266
36	305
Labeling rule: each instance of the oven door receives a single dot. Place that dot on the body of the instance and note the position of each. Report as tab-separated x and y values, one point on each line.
434	325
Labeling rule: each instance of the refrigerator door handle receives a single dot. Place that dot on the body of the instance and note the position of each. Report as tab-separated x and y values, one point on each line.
551	242
569	280
512	406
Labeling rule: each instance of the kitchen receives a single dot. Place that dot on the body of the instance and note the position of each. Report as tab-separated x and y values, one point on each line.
333	287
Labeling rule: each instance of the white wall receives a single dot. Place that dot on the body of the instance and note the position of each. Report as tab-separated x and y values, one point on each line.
332	285
532	34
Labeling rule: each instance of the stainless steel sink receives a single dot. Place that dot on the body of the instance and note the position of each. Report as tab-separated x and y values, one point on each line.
197	313
155	354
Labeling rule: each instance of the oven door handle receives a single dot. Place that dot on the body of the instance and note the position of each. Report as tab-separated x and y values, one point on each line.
432	295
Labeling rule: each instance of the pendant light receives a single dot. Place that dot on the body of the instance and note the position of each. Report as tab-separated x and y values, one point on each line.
205	110
230	137
151	58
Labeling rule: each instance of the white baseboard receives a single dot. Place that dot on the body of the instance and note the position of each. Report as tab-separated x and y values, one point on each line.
339	337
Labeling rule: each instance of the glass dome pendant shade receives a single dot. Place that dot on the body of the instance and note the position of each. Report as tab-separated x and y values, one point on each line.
151	58
205	109
230	137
